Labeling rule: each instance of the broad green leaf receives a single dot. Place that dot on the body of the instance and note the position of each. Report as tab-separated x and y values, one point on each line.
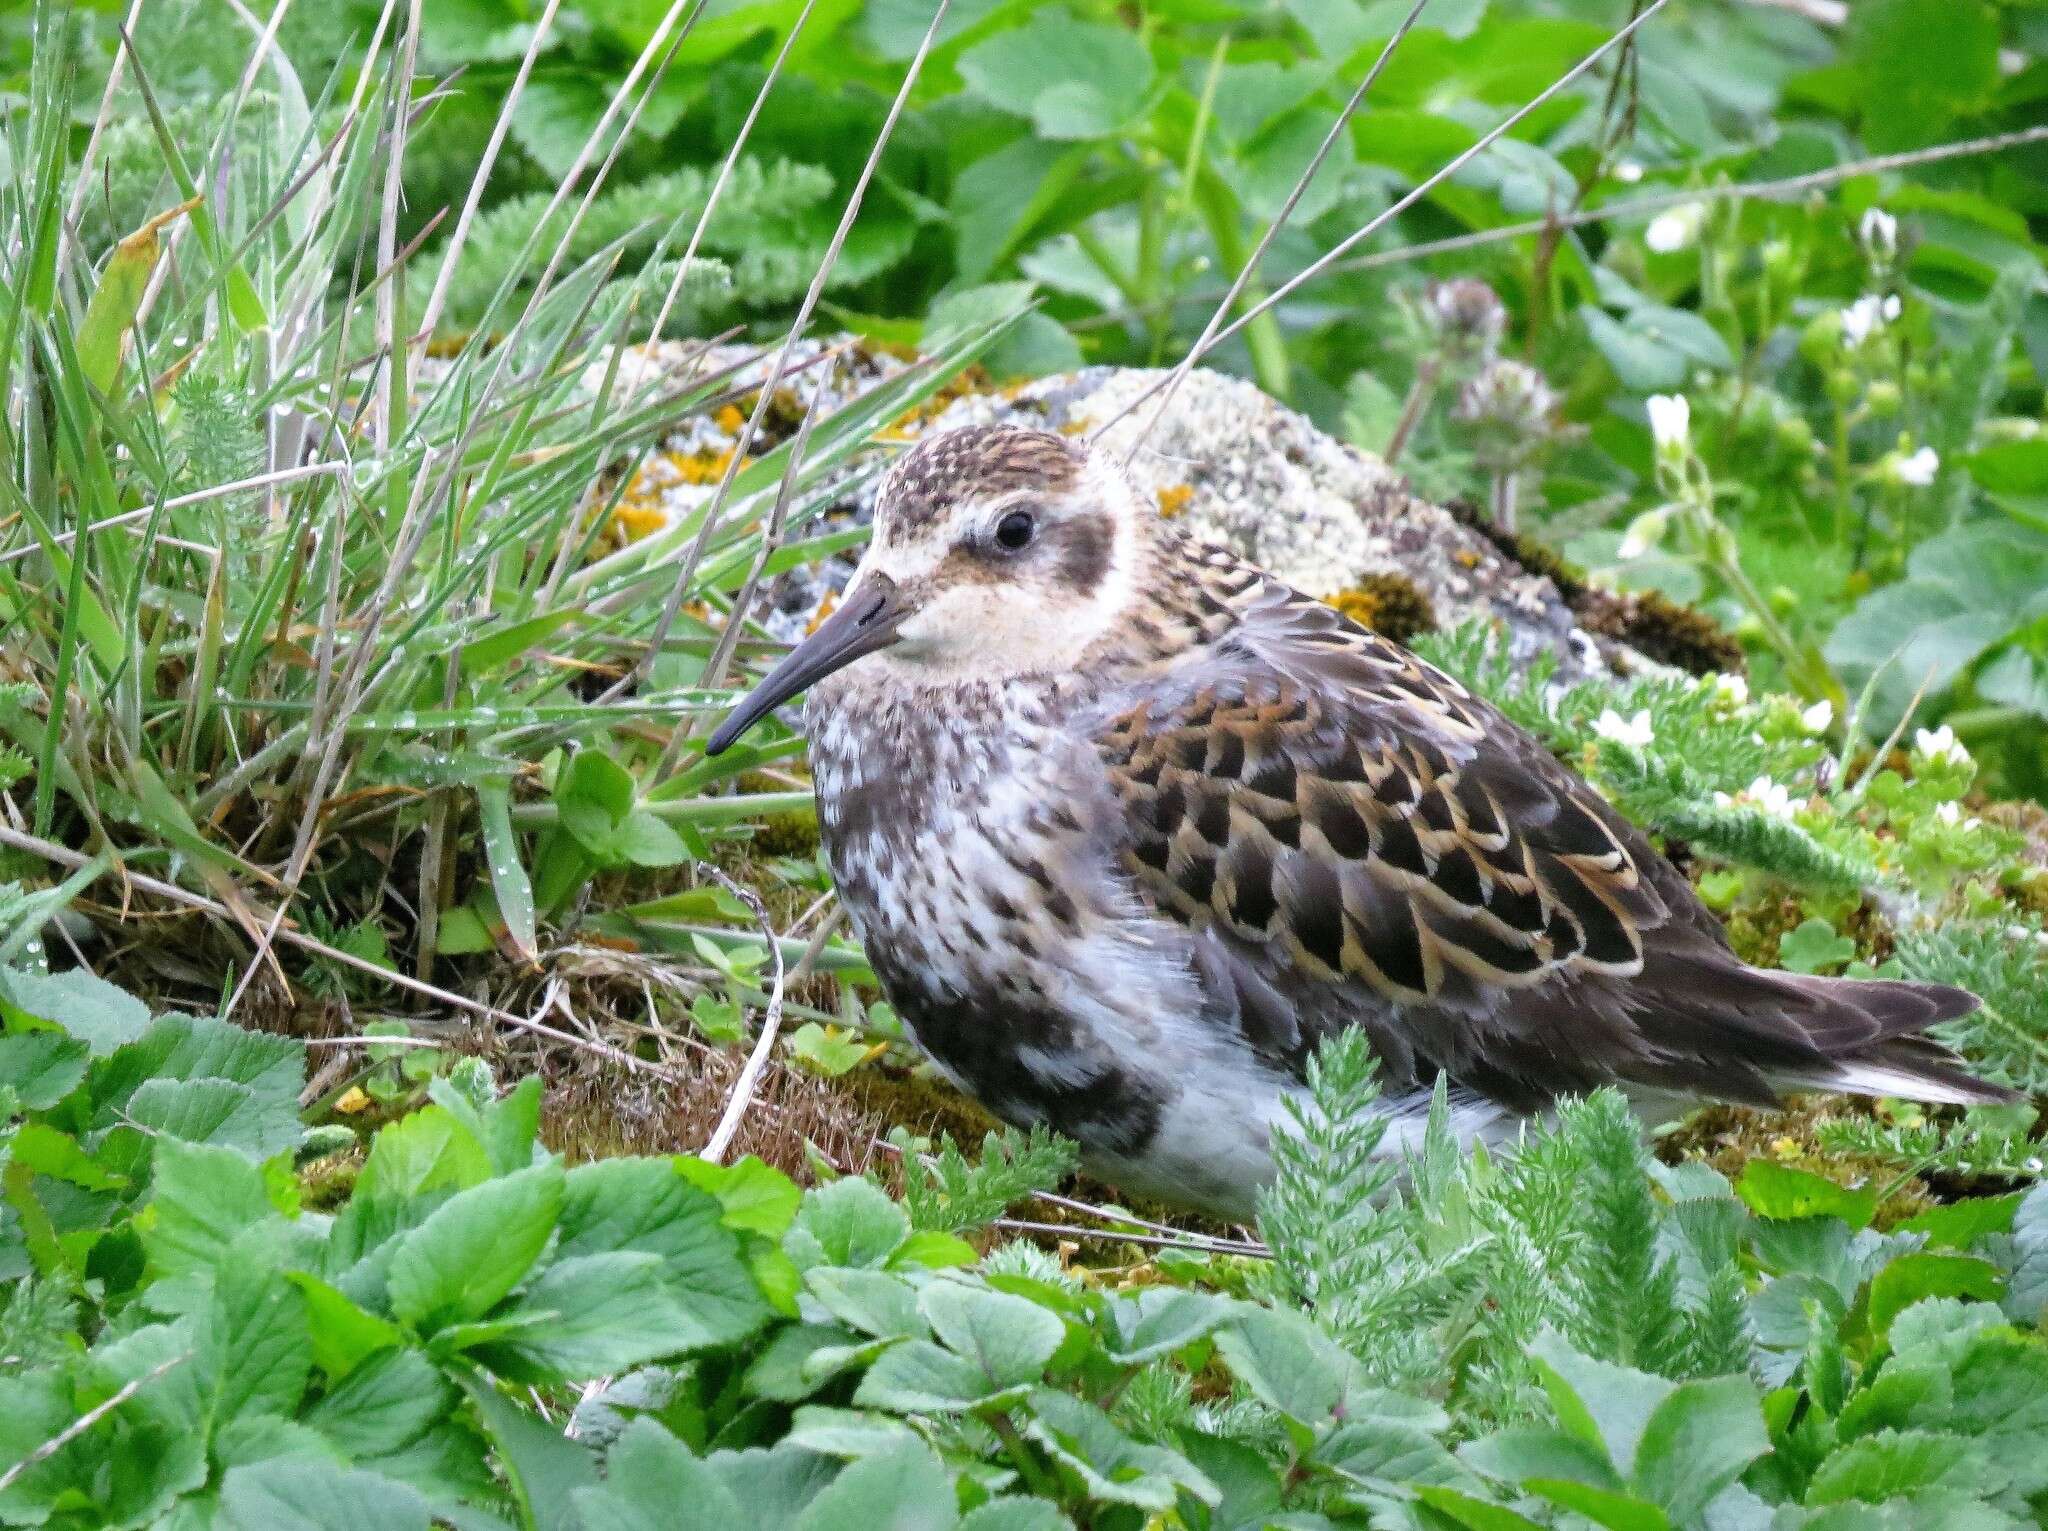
847	1222
1288	1363
201	1200
423	1151
597	1315
1110	1463
752	1196
1009	1339
903	1489
1959	1224
1473	1514
545	1467
79	1003
291	1494
918	1377
256	1348
1616	1512
474	1249
383	1405
46	1151
654	1483
216	1111
1514	1456
41	1067
1604	1405
873	1302
1697	1442
1779	1191
1073	79
1912	1277
344	1336
1157	1321
1892	1464
1012	1514
647	1205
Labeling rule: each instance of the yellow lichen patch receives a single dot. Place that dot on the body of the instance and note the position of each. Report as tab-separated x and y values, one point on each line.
643	509
730	420
1173	499
1391	604
1467	558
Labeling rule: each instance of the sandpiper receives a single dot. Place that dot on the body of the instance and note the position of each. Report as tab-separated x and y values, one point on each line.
1127	827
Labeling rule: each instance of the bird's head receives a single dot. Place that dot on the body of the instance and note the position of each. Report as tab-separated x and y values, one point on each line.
997	552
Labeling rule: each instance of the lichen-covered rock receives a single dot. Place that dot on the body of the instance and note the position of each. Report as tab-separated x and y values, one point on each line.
1231	465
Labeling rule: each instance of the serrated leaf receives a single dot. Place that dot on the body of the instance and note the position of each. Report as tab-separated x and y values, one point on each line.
752	1196
1913	1277
1287	1363
1697	1442
423	1151
255	1350
847	1222
1779	1191
1604	1405
201	1200
903	1489
654	1483
1008	1339
474	1249
292	1494
41	1067
1157	1321
383	1405
79	1003
597	1315
1110	1463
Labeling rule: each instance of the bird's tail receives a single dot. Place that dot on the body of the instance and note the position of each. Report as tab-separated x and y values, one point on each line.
1871	1037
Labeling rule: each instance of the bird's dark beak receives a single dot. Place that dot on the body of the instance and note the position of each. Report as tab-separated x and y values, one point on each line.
865	621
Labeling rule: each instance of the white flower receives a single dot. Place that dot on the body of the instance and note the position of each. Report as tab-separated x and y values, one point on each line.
1628	170
1675	228
1940	744
1731	689
1867	315
1768	796
1816	718
1670	421
1879	231
1635	732
1949	813
1916	471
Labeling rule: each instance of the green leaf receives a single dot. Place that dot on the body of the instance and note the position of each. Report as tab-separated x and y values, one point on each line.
426	1150
1779	1191
1697	1442
918	1377
1109	1463
474	1249
201	1200
652	1482
1959	1224
514	889
1287	1363
1515	1456
1814	948
596	1315
1606	1406
752	1197
256	1350
1012	1514
903	1489
1009	1339
383	1405
847	1222
78	1003
1073	79
344	1336
103	334
1473	1514
41	1067
1617	1512
876	1303
1892	1464
207	1080
1920	65
1156	1321
293	1494
216	1111
46	1151
1913	1277
547	1470
648	1205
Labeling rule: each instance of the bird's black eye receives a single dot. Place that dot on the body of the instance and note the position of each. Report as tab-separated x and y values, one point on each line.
1016	530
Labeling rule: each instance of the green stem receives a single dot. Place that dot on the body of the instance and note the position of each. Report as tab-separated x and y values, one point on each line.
1262	335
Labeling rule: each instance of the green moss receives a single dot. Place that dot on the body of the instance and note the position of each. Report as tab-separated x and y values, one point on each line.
1389	603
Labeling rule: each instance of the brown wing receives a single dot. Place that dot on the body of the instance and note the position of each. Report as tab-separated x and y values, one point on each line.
1356	839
